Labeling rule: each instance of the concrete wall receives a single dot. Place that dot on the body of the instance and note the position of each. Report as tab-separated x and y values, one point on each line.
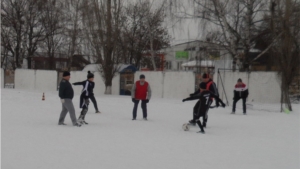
46	80
115	85
169	84
25	79
178	84
42	80
264	87
2	78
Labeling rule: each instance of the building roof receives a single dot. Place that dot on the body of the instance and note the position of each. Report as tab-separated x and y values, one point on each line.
120	67
195	63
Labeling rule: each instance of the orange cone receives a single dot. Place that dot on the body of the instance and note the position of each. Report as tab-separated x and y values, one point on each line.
43	98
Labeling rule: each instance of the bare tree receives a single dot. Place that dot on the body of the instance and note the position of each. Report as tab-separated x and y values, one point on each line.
144	32
74	29
35	32
53	22
12	30
235	23
285	24
103	24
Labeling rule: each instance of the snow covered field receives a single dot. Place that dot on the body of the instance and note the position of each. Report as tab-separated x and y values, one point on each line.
31	138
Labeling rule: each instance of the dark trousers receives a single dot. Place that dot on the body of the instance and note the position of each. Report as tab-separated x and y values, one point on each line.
94	102
196	110
144	108
84	104
201	110
235	100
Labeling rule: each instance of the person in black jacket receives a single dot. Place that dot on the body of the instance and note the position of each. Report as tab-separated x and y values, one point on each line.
87	92
200	110
210	86
66	95
91	93
240	92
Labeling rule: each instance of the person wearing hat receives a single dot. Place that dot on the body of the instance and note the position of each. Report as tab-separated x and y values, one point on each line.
240	92
90	77
210	86
66	95
204	102
86	94
140	91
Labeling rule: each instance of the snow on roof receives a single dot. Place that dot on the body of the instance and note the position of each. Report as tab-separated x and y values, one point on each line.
92	68
203	63
96	67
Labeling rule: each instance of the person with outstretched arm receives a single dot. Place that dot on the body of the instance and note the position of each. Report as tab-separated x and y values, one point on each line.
211	86
86	94
200	110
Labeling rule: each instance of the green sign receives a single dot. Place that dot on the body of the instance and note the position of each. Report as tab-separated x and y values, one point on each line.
181	55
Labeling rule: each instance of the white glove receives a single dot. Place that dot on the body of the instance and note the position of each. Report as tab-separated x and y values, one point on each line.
62	100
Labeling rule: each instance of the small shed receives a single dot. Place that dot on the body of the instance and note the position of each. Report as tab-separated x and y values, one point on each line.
126	78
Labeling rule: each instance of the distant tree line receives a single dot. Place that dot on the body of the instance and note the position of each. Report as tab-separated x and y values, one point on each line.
111	32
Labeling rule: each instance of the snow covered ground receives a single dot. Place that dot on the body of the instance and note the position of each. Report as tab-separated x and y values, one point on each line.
31	138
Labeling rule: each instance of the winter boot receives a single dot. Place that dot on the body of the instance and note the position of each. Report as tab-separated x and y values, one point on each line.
192	122
77	124
203	132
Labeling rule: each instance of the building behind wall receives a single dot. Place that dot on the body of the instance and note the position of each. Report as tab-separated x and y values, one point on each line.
198	56
60	62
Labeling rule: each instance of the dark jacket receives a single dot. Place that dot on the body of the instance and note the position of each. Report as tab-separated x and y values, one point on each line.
211	86
65	90
240	91
204	96
88	88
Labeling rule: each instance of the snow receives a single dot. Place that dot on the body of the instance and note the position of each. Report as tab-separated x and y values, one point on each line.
32	139
96	67
194	63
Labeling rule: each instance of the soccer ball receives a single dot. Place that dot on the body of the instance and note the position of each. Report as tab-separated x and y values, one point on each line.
186	127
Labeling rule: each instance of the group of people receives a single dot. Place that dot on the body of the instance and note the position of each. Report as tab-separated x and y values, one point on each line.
207	91
66	94
141	91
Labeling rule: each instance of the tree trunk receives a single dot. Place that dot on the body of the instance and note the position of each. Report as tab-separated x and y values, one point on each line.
107	90
108	84
285	93
234	64
152	53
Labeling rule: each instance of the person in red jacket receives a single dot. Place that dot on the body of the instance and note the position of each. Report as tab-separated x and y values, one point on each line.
240	92
140	91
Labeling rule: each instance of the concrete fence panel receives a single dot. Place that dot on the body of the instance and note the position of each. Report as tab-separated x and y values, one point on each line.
25	79
178	84
45	80
264	87
115	85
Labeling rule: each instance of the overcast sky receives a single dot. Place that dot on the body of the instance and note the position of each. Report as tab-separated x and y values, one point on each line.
186	29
